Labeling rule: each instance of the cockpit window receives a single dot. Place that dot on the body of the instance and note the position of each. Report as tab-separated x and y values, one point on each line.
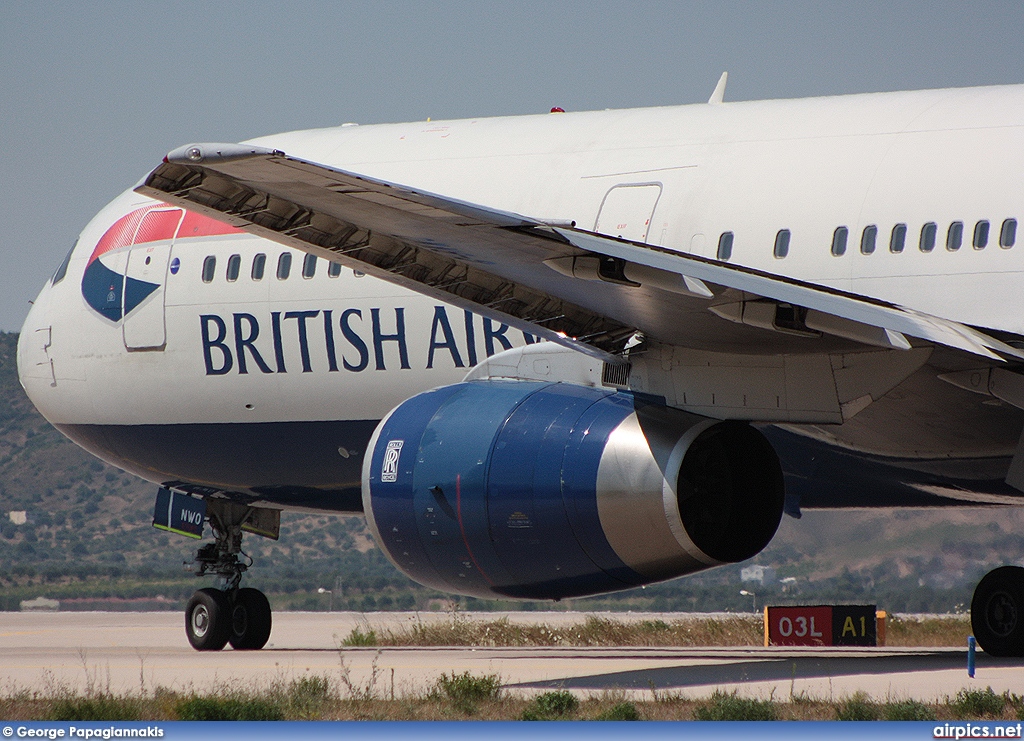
62	269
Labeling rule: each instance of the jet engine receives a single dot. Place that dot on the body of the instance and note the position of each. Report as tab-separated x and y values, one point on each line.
536	490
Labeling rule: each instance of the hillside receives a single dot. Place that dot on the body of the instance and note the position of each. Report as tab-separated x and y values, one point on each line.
88	537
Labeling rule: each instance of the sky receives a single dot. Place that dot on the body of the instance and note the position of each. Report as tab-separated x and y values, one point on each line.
92	95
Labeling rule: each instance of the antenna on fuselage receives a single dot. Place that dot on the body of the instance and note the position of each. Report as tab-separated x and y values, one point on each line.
719	95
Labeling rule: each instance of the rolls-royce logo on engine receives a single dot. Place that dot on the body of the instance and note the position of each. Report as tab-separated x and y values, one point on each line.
389	469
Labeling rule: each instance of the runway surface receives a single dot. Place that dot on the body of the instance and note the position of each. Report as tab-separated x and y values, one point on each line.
125	652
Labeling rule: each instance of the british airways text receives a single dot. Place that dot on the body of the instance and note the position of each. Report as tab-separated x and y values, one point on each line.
352	340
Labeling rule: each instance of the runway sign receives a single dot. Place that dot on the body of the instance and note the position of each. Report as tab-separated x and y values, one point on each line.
821	625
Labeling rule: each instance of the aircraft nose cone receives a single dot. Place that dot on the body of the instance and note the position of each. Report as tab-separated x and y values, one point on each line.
35	365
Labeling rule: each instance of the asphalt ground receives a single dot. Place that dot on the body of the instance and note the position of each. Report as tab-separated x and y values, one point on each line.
131	651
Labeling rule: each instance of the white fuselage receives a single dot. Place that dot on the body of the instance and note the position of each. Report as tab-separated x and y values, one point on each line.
692	173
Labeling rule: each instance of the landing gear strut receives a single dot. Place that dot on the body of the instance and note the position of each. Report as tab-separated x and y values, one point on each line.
997	612
215	617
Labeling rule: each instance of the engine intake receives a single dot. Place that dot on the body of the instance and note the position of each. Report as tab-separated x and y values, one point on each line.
543	491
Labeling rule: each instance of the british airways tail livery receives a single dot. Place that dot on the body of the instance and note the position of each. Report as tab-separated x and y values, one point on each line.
558	355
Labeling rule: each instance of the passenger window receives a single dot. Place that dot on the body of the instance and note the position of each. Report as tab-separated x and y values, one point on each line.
839	241
309	266
867	239
284	265
955	236
259	266
209	268
898	240
725	246
234	265
927	243
333	269
1008	234
62	269
782	243
981	235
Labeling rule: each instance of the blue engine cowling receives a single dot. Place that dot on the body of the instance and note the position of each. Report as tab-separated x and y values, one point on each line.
543	491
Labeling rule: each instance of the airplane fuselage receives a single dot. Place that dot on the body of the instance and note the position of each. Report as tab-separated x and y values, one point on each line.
749	308
271	387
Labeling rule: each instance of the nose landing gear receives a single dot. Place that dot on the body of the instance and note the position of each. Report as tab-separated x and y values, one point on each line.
215	617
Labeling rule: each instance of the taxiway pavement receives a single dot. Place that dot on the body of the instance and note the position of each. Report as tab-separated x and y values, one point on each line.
126	652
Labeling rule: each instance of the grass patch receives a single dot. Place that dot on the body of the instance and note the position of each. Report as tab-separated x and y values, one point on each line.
556	705
359	639
692	631
467	688
96	707
308	695
455	696
730	706
948	630
216	708
620	711
978	703
464	692
742	630
858	707
908	710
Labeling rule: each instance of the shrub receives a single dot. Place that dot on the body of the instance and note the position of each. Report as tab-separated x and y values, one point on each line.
465	688
907	710
977	703
722	706
215	708
858	707
1016	702
551	705
359	638
99	707
308	694
620	711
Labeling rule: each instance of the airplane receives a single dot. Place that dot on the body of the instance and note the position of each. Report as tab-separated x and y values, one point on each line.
561	354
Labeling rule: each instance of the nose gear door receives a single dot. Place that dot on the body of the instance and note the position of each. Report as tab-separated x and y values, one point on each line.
145	276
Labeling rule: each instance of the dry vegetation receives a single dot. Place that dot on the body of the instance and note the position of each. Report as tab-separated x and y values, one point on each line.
739	630
938	631
463	697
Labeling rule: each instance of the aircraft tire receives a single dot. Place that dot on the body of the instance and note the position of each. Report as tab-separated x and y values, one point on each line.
250	620
997	612
208	620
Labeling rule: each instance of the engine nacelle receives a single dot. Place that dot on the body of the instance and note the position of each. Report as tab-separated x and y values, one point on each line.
543	491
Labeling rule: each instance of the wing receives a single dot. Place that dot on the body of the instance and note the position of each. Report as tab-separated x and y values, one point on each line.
584	290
